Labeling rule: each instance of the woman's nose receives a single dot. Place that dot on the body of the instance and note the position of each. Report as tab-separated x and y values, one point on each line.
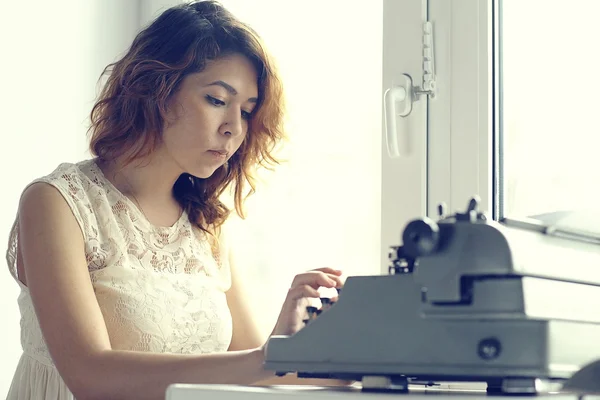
233	126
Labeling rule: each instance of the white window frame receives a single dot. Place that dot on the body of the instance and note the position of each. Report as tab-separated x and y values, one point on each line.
461	126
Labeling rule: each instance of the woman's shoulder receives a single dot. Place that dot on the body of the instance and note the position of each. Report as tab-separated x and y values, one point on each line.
71	172
73	178
77	182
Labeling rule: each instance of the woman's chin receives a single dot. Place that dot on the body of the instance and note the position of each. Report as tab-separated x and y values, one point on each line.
203	172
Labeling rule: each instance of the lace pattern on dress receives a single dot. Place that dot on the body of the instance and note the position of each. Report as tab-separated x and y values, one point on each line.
160	289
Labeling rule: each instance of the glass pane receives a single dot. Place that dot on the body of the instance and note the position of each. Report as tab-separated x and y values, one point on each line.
320	208
549	107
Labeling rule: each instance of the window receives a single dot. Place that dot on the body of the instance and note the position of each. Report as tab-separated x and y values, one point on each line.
512	120
460	120
550	138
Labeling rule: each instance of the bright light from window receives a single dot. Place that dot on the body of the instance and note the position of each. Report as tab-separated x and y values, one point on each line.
550	106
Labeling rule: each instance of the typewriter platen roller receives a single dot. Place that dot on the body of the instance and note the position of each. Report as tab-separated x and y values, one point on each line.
513	304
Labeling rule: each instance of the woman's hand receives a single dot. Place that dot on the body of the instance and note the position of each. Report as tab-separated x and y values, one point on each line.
304	287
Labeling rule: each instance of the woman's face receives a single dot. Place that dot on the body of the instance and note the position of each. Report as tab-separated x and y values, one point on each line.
208	117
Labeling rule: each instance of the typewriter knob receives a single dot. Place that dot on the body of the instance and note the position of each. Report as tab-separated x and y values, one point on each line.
472	214
442	210
421	237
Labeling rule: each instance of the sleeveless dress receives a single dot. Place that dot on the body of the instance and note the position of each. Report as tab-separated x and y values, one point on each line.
160	289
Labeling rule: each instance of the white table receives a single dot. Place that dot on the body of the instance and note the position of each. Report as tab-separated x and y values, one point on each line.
234	392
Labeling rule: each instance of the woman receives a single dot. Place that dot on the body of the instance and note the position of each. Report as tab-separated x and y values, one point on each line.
127	284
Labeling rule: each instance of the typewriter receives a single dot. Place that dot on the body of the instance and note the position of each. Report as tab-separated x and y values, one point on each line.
511	305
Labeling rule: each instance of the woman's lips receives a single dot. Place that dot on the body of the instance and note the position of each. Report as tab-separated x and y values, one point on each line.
218	154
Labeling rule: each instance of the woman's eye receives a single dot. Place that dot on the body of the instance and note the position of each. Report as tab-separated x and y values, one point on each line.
214	101
246	115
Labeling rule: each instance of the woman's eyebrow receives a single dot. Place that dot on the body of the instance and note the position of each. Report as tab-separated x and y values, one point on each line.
230	89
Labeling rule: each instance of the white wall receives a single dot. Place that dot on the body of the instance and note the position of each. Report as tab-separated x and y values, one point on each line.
150	9
52	54
322	207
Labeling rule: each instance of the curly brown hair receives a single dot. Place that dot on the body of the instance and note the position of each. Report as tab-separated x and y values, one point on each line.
128	118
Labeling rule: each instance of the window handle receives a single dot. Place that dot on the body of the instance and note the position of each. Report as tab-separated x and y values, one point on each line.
398	101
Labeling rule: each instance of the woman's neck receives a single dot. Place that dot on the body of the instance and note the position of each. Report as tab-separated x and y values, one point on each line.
149	183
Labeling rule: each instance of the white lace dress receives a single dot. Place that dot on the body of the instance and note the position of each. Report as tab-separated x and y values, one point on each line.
160	289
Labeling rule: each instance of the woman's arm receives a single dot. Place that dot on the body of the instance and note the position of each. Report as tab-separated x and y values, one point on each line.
51	249
246	334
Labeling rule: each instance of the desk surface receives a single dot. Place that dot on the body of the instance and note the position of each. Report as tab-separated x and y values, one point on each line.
234	392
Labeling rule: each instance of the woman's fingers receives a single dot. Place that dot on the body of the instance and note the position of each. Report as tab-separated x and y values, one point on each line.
302	291
317	279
